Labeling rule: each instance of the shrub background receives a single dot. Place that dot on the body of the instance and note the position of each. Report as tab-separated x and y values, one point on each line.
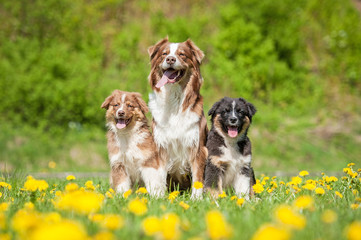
297	61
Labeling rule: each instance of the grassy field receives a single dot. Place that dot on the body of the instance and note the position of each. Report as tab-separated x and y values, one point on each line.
300	207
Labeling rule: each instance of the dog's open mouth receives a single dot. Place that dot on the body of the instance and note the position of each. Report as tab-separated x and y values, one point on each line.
170	76
122	123
232	131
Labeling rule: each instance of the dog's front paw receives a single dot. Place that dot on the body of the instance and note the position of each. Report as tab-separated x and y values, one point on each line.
197	194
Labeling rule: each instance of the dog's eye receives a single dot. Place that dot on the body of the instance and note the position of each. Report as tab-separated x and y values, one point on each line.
116	105
130	106
164	54
227	110
182	55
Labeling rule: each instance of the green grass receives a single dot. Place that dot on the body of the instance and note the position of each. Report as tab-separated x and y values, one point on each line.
245	220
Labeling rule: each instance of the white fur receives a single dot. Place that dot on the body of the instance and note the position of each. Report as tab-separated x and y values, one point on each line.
155	180
124	186
172	50
241	185
233	105
196	193
122	106
236	161
129	154
176	131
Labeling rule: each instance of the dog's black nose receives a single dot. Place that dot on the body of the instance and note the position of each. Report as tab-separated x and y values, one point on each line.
121	113
233	119
170	60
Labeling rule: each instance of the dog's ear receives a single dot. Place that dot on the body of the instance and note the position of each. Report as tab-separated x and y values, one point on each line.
213	109
199	55
152	51
251	109
107	102
142	105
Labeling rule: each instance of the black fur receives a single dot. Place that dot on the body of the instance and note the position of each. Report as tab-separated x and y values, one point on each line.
231	113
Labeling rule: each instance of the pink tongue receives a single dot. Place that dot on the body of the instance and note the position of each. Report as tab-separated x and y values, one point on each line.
165	78
232	131
121	124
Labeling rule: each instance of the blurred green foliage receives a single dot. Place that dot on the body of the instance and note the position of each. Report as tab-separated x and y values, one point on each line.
60	59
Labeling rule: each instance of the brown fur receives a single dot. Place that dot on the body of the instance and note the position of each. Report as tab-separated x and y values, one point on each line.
191	83
135	109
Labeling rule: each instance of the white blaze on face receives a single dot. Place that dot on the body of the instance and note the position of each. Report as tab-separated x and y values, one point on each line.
233	106
172	53
121	104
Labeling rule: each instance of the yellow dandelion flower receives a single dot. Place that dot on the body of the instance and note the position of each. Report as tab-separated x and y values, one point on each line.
320	191
285	215
258	188
353	231
304	202
29	206
270	190
282	183
111	190
339	194
309	186
350	164
70	187
96	217
5	185
4	206
222	195
52	217
65	229
24	220
112	222
127	193
333	179
52	164
184	205
328	216
70	177
303	173
270	231
58	193
151	225
103	235
82	202
198	185
234	198
4	236
217	227
359	170
296	180
1	194
2	221
170	226
358	200
141	190
89	185
240	201
137	207
33	185
109	195
354	206
173	195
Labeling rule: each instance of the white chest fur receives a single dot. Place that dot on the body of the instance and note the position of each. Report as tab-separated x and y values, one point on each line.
129	153
235	161
176	130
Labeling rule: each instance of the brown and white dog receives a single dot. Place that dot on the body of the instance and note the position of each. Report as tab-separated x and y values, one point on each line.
229	148
179	126
132	152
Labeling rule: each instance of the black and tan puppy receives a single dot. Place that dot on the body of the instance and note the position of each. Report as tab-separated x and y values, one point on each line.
229	148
